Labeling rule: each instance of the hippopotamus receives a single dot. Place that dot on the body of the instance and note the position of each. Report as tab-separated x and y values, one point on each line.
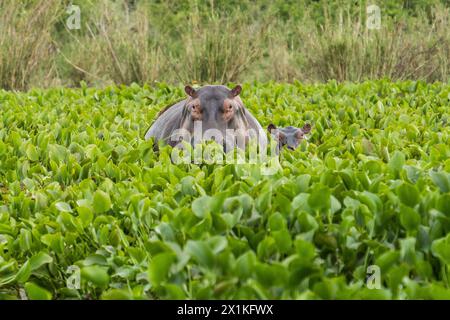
212	112
289	136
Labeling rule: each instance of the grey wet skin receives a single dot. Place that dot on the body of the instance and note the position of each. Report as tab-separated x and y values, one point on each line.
289	136
217	108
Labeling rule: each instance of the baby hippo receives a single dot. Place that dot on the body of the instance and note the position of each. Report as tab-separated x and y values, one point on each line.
289	136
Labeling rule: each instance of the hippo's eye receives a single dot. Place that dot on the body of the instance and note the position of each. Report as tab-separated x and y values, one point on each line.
196	112
196	108
228	110
299	134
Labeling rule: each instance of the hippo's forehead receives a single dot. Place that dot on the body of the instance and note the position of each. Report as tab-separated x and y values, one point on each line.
212	94
289	130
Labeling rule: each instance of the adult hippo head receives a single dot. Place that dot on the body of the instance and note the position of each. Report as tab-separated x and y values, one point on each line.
211	112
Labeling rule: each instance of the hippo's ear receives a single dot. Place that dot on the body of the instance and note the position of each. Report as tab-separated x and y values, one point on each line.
306	128
271	127
190	91
235	91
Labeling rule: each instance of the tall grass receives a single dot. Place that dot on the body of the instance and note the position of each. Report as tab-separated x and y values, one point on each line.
220	51
126	41
398	50
121	47
26	50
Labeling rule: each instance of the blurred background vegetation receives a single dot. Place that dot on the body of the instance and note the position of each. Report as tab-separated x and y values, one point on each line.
218	41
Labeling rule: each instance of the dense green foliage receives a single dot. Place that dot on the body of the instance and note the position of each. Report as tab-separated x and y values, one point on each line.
80	187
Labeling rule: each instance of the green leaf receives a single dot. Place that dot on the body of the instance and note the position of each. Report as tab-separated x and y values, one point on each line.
397	162
96	275
266	248
63	206
32	153
442	180
201	206
409	218
217	244
201	253
407	250
441	249
54	241
25	239
24	273
263	201
102	201
283	240
443	204
95	259
303	182
35	292
117	294
39	259
187	185
408	194
305	250
159	267
86	215
276	221
245	264
300	202
174	292
320	198
270	275
335	205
